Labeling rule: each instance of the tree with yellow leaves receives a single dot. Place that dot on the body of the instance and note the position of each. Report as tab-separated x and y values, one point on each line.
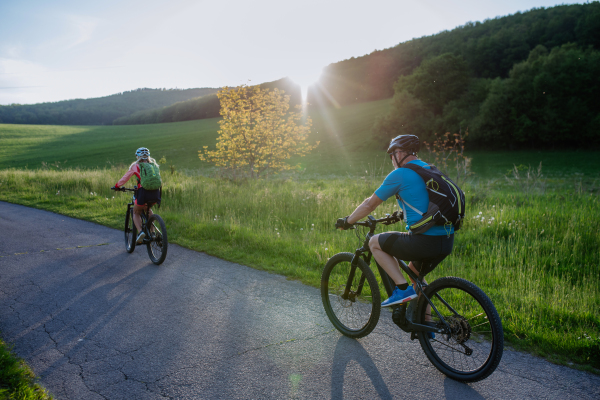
258	133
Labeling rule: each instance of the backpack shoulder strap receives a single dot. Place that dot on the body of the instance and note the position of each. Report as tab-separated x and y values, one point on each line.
416	167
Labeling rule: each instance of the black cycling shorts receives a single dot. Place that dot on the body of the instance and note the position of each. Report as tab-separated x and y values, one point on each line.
144	196
425	251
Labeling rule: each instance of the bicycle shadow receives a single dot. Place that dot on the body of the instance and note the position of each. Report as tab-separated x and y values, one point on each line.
346	351
458	390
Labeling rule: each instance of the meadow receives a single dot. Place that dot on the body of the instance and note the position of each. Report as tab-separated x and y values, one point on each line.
530	241
535	252
346	149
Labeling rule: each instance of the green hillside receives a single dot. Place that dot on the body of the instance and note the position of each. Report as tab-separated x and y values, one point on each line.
202	107
490	48
96	111
346	149
29	146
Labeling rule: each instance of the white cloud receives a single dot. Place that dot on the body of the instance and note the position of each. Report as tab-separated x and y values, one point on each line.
20	68
84	26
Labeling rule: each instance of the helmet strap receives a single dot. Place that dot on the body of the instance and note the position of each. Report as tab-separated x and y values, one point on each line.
405	157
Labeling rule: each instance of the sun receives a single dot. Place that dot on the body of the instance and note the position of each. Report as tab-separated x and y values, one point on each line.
305	78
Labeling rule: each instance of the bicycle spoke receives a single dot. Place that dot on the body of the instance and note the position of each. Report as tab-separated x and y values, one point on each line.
465	349
475	316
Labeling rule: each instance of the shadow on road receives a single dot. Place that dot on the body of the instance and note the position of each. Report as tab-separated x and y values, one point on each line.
348	350
459	390
74	310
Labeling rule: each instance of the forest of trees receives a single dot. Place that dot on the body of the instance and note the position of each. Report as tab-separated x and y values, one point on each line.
523	81
96	111
203	107
489	48
546	101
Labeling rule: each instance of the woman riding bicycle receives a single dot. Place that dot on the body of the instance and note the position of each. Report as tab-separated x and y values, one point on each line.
144	198
426	250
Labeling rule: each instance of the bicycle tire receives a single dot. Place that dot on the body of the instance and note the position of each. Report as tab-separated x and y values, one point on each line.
130	231
355	317
472	331
157	247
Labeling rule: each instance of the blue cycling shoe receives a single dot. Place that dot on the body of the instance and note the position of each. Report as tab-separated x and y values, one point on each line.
400	296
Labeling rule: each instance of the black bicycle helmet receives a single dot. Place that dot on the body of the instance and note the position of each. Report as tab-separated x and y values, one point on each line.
406	143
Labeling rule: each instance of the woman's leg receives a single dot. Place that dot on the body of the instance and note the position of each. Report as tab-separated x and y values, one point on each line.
137	219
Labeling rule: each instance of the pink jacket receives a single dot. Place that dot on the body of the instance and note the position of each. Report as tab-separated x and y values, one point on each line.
133	170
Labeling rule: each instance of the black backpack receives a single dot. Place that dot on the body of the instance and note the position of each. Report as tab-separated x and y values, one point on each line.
446	200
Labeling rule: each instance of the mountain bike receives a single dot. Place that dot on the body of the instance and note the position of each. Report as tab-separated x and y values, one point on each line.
463	339
156	232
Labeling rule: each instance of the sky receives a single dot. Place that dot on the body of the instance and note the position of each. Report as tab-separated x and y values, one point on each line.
66	49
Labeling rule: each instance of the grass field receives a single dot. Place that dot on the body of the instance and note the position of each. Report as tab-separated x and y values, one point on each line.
531	243
346	148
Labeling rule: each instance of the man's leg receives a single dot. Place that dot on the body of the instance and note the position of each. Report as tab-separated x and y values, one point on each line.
428	308
387	262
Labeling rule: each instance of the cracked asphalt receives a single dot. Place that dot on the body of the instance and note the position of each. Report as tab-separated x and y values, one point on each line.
94	322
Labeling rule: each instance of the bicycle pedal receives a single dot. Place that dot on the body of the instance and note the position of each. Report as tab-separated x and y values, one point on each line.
399	317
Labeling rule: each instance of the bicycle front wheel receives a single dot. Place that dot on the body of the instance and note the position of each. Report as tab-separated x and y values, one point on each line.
472	349
352	303
130	231
157	247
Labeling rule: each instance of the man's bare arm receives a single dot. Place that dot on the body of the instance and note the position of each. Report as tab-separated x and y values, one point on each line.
366	208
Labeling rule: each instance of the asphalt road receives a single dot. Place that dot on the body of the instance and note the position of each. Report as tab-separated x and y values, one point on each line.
94	322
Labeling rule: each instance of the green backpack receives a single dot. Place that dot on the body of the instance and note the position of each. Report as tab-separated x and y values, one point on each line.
150	176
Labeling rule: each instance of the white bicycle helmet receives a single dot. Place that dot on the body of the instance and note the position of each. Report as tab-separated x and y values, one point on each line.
142	153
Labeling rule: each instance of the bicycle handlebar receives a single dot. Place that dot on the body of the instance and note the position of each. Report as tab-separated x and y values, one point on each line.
388	220
123	189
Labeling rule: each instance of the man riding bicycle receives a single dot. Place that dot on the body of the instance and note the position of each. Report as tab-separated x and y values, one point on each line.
424	250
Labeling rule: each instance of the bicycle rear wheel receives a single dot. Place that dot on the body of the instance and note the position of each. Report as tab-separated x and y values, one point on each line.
352	305
157	247
130	230
474	347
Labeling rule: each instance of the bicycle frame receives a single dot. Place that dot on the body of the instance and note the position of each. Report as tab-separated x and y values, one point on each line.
145	215
388	283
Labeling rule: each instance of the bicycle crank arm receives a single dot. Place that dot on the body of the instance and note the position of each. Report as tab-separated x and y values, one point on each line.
406	325
412	327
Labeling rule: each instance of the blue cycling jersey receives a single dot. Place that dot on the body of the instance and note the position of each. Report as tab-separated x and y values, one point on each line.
411	188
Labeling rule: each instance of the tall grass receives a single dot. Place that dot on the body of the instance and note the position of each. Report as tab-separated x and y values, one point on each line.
536	253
